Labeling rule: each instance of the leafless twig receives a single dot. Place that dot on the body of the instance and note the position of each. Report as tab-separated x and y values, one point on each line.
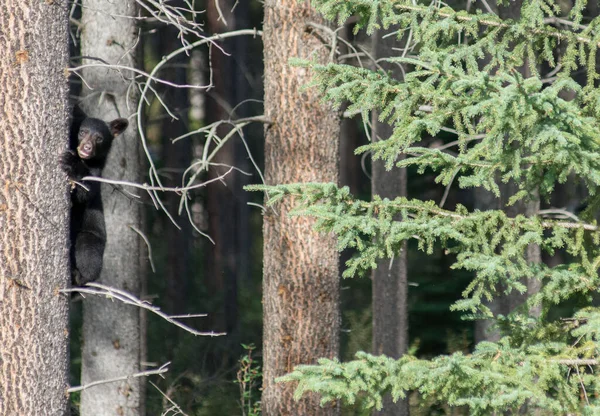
149	77
147	187
161	370
128	299
174	406
582	385
141	234
153	174
558	213
580	361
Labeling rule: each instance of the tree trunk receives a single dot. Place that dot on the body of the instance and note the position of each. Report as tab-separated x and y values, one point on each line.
34	251
111	330
527	208
485	200
241	92
506	304
176	157
390	285
221	202
301	286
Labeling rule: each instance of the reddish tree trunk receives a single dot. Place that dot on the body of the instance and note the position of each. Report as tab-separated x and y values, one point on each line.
301	284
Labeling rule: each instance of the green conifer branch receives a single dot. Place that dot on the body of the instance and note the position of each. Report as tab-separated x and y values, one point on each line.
507	126
373	11
495	377
494	21
526	132
488	243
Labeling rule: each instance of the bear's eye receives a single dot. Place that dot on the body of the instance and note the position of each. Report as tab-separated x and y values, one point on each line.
99	139
82	132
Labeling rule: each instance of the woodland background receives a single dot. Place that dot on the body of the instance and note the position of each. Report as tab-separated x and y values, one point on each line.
212	264
224	279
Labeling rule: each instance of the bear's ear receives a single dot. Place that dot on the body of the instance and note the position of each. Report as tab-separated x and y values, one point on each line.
118	126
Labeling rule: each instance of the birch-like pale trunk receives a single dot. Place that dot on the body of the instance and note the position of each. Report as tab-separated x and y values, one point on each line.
111	330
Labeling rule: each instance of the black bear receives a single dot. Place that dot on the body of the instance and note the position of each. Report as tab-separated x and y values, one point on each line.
90	142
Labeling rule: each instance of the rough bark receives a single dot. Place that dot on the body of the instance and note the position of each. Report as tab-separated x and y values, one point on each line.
111	330
301	285
34	206
390	285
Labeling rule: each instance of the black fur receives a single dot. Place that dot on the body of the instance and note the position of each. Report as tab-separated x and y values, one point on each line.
90	142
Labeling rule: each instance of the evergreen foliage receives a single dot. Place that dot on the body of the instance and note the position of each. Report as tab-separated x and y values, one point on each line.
466	79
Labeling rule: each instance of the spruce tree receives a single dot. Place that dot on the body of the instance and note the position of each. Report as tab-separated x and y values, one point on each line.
467	78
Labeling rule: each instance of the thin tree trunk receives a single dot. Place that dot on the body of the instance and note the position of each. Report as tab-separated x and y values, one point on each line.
350	169
529	208
241	92
34	251
221	203
506	304
301	286
485	200
176	157
111	330
390	285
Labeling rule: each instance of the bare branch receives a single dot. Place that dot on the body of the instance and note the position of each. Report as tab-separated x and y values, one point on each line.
190	315
581	361
121	68
221	16
558	213
147	187
175	407
582	385
153	174
147	245
128	299
161	370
